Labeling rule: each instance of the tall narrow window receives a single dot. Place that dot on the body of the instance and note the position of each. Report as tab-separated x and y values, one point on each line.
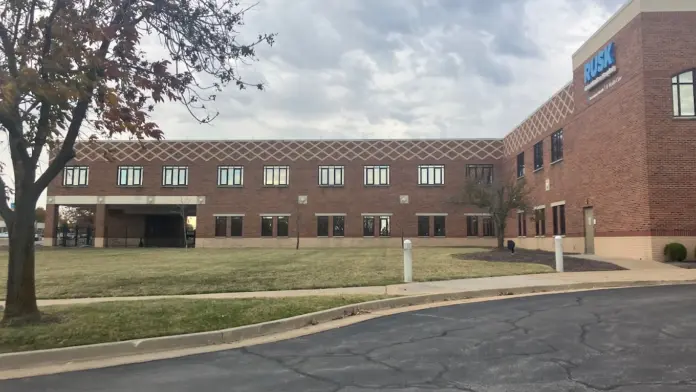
339	226
488	230
75	176
539	155
368	226
431	175
266	226
424	226
439	226
331	175
559	224
540	221
220	226
175	175
237	226
557	146
276	175
130	176
683	95
521	224
472	226
483	174
230	176
376	175
384	226
322	226
520	165
283	229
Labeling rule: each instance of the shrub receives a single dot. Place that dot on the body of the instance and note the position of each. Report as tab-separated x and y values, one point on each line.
675	252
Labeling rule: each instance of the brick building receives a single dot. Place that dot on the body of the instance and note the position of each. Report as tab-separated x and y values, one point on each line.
609	159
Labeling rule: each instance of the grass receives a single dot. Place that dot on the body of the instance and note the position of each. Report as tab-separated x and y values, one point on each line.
76	325
74	273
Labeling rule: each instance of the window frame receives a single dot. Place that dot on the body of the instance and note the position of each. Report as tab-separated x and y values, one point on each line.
178	169
342	218
540	221
72	169
226	226
328	225
442	234
559	220
329	169
431	170
480	169
472	224
520	165
557	146
386	218
365	219
241	226
521	224
676	93
420	219
273	168
128	168
539	155
265	218
233	169
377	169
487	221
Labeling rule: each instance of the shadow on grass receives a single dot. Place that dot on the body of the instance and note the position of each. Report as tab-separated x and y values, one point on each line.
570	263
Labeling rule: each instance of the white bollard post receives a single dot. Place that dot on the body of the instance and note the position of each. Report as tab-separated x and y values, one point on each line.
559	253
408	261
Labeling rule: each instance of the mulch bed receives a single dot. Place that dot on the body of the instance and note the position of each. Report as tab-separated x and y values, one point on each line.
570	263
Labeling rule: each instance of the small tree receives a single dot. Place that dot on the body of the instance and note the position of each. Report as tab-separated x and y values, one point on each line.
498	199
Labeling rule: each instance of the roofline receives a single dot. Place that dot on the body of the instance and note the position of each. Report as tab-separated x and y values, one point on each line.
287	140
569	84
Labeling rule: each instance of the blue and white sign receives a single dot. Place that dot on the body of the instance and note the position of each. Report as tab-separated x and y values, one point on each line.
601	67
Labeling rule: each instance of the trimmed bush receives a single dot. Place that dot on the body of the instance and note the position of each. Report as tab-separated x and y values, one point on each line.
675	252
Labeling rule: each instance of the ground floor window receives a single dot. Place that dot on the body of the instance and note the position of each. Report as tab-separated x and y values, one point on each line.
384	226
488	228
322	226
472	226
231	226
283	229
339	226
540	221
220	226
424	226
521	224
439	226
236	226
266	226
368	226
559	223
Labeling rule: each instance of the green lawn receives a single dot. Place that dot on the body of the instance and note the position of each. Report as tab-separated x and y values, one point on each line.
76	325
73	273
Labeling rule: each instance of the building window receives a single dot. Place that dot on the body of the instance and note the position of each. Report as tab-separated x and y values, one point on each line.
683	95
220	226
559	223
472	226
540	221
520	165
339	226
237	225
230	176
384	226
331	175
539	155
521	224
488	230
75	176
376	175
266	226
424	226
480	173
557	146
322	226
175	176
368	226
431	175
130	176
283	229
439	226
276	175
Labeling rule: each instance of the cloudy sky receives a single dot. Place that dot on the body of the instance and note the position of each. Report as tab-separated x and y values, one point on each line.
399	68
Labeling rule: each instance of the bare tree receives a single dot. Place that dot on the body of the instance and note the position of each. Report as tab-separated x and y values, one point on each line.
498	198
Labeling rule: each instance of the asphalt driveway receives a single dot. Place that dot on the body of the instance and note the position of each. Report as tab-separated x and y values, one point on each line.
616	340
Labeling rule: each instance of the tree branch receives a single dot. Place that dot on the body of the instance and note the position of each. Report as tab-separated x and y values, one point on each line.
5	211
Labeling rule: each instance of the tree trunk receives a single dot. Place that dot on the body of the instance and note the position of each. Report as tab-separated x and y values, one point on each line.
20	302
500	232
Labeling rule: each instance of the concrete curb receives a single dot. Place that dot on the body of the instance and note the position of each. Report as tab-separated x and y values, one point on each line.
58	356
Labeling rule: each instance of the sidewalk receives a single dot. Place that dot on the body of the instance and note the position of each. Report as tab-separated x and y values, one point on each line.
653	275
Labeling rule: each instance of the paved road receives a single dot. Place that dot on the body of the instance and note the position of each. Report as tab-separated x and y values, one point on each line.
621	340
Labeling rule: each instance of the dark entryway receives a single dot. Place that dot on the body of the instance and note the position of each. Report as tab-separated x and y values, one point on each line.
164	231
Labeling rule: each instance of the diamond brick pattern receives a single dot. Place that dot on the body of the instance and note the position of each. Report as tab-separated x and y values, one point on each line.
289	151
548	116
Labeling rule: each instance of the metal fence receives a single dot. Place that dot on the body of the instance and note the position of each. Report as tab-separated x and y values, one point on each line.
77	237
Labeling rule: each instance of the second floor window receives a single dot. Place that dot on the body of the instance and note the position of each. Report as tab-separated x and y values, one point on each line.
331	175
557	146
431	175
230	176
683	95
520	165
130	176
75	176
276	175
376	175
539	155
480	173
175	176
